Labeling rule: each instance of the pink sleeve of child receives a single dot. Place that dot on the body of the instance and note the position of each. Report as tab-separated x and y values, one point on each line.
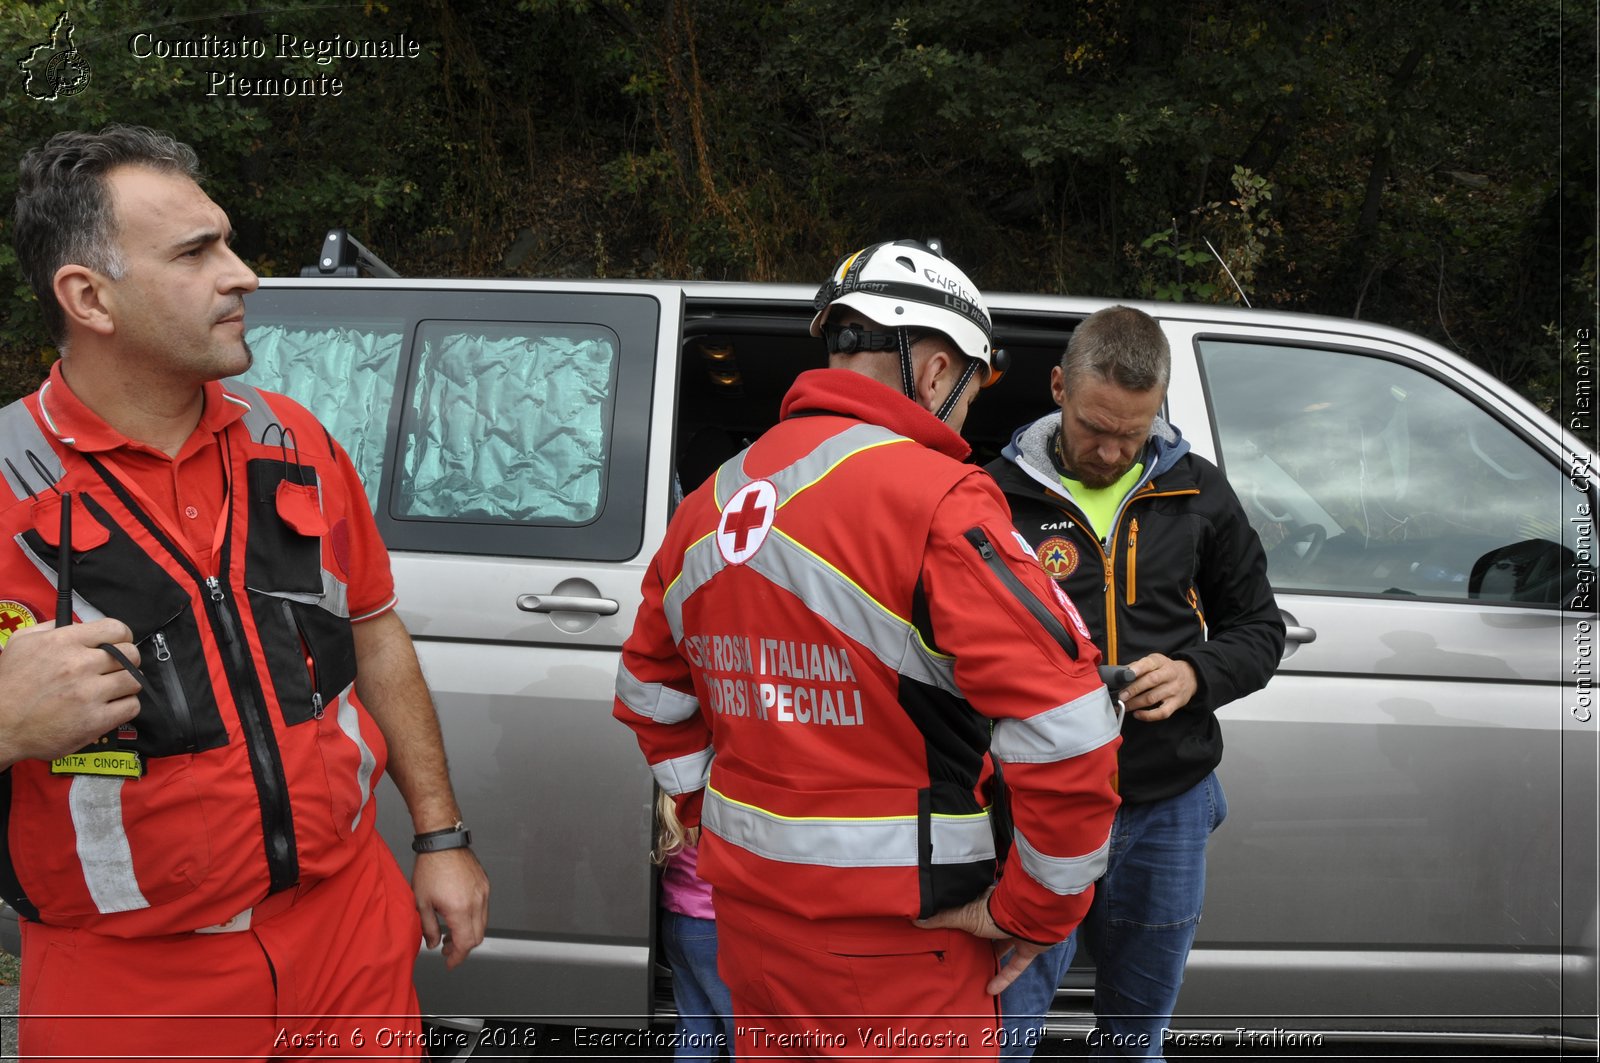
682	889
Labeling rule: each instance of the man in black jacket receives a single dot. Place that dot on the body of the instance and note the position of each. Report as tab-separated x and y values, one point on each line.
1154	548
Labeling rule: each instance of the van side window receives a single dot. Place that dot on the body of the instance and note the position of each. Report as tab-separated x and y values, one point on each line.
344	374
494	421
507	423
1363	475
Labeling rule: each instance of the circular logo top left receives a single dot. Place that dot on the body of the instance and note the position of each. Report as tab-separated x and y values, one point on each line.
67	74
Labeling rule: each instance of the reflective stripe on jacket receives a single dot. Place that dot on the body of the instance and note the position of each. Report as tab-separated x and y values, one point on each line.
256	763
824	655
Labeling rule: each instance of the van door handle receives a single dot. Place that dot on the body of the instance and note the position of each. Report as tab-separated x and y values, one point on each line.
1295	634
565	603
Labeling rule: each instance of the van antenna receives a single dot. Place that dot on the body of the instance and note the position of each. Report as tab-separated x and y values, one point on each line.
1229	272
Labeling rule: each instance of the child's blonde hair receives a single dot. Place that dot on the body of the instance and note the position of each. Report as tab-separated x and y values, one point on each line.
672	836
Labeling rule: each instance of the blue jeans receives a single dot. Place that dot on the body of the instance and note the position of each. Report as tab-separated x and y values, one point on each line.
705	1009
1139	930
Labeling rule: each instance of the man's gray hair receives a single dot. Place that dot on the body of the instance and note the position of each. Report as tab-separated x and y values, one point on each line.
1121	345
64	214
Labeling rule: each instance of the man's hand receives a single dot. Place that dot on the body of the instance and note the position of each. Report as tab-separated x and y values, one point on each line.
1162	688
451	888
450	885
974	918
59	690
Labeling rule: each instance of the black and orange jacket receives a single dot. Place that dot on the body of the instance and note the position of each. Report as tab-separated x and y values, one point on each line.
1181	573
251	764
839	629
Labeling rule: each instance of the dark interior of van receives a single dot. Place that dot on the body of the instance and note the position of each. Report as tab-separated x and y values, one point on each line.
737	364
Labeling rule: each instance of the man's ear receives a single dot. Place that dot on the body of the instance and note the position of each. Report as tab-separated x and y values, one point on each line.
81	292
931	388
1058	385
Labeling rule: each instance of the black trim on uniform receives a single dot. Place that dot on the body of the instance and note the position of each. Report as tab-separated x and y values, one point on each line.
928	905
956	742
266	764
177	714
278	558
1000	821
282	567
1047	620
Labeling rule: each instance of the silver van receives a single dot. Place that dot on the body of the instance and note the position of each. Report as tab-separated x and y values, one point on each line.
1411	845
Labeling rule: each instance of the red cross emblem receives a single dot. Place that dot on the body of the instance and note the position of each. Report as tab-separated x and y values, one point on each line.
746	519
14	616
1058	556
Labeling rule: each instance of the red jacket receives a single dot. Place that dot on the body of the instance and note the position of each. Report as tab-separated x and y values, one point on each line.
844	617
251	765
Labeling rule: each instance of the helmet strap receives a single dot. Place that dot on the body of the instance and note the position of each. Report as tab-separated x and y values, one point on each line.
908	382
961	386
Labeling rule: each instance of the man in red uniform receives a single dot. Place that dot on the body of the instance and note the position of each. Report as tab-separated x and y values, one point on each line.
190	838
839	629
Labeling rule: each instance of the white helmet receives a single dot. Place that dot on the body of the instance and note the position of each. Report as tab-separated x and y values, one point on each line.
906	284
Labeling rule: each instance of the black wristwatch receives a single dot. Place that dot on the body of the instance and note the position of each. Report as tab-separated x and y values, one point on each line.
457	837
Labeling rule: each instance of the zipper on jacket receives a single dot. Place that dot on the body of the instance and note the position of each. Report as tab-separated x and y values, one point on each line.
1019	590
310	655
175	694
266	764
1133	553
270	783
1109	592
1148	491
215	596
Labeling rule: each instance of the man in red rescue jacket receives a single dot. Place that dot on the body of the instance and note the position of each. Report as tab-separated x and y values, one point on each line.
839	630
186	776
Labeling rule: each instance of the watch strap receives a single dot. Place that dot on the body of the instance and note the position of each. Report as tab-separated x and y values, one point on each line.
456	837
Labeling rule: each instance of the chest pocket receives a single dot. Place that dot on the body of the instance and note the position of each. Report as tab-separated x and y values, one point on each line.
118	577
300	608
1160	550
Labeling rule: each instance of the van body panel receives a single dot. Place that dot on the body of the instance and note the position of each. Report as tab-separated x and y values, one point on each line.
1411	839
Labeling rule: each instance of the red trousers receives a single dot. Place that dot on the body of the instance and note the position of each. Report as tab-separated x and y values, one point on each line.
327	974
854	988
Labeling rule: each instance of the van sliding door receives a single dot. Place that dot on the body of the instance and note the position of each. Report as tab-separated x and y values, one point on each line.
505	436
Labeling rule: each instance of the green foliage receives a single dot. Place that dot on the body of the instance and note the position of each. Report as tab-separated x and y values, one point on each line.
1403	162
1197	269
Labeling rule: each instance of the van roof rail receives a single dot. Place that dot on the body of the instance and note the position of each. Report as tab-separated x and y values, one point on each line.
341	256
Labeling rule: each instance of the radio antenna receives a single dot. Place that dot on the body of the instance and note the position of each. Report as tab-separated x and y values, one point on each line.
1237	286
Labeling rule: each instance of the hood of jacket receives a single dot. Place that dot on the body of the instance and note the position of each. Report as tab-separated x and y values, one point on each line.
1031	445
846	392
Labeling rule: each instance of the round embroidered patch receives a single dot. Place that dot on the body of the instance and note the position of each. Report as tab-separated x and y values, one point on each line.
1058	556
746	520
14	616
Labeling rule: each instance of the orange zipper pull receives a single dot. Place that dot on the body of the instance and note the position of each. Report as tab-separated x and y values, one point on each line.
1133	549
